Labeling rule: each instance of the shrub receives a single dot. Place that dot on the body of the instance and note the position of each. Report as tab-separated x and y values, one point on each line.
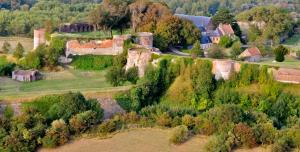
176	121
215	52
91	62
132	75
164	120
244	135
6	47
82	121
124	100
116	75
18	53
283	144
107	127
220	143
204	126
265	133
280	52
225	41
188	121
8	112
57	135
179	134
6	69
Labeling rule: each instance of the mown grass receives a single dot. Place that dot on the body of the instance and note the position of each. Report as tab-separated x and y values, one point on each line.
288	63
56	83
293	42
91	35
13	41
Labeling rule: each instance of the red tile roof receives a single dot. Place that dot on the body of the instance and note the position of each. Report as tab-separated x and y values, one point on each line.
226	29
253	51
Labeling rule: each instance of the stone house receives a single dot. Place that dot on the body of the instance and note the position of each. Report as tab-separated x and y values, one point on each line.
252	54
26	75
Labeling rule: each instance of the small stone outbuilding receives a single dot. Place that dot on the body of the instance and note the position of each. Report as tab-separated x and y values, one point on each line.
26	75
251	55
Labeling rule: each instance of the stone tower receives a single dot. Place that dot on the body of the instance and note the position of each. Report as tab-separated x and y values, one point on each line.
39	37
145	39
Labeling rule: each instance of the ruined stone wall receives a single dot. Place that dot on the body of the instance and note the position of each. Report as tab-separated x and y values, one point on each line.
222	69
145	39
39	37
139	58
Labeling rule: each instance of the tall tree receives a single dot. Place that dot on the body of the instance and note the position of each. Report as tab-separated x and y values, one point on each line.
19	51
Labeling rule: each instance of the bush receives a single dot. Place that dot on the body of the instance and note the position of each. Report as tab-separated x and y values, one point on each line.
265	133
57	135
91	62
83	121
225	41
280	52
244	135
164	120
188	121
124	100
220	143
215	52
116	75
283	144
132	75
179	134
107	127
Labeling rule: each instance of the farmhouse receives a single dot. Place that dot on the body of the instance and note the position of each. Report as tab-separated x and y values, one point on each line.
287	75
25	75
251	55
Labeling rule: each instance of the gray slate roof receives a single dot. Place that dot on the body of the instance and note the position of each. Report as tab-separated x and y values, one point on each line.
200	21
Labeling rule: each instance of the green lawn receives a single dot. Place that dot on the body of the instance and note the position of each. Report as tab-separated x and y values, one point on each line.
288	63
91	35
293	42
56	82
13	41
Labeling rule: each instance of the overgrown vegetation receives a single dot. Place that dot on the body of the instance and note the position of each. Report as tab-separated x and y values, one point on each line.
91	62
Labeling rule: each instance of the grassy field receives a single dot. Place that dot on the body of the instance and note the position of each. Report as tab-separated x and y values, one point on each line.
293	42
56	82
145	140
91	35
13	41
288	63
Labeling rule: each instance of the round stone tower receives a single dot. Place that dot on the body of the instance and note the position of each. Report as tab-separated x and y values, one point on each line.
39	37
145	39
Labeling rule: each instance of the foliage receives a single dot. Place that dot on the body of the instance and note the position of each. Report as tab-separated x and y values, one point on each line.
225	41
57	135
283	144
179	134
215	52
83	121
91	62
196	50
132	75
6	68
244	135
280	52
220	142
6	47
236	49
277	21
18	53
116	75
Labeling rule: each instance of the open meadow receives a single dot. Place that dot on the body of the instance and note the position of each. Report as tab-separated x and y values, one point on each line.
146	140
13	41
293	42
57	82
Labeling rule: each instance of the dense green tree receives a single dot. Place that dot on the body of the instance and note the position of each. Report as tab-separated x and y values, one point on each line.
132	75
236	49
215	52
116	75
197	51
19	52
225	41
280	52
